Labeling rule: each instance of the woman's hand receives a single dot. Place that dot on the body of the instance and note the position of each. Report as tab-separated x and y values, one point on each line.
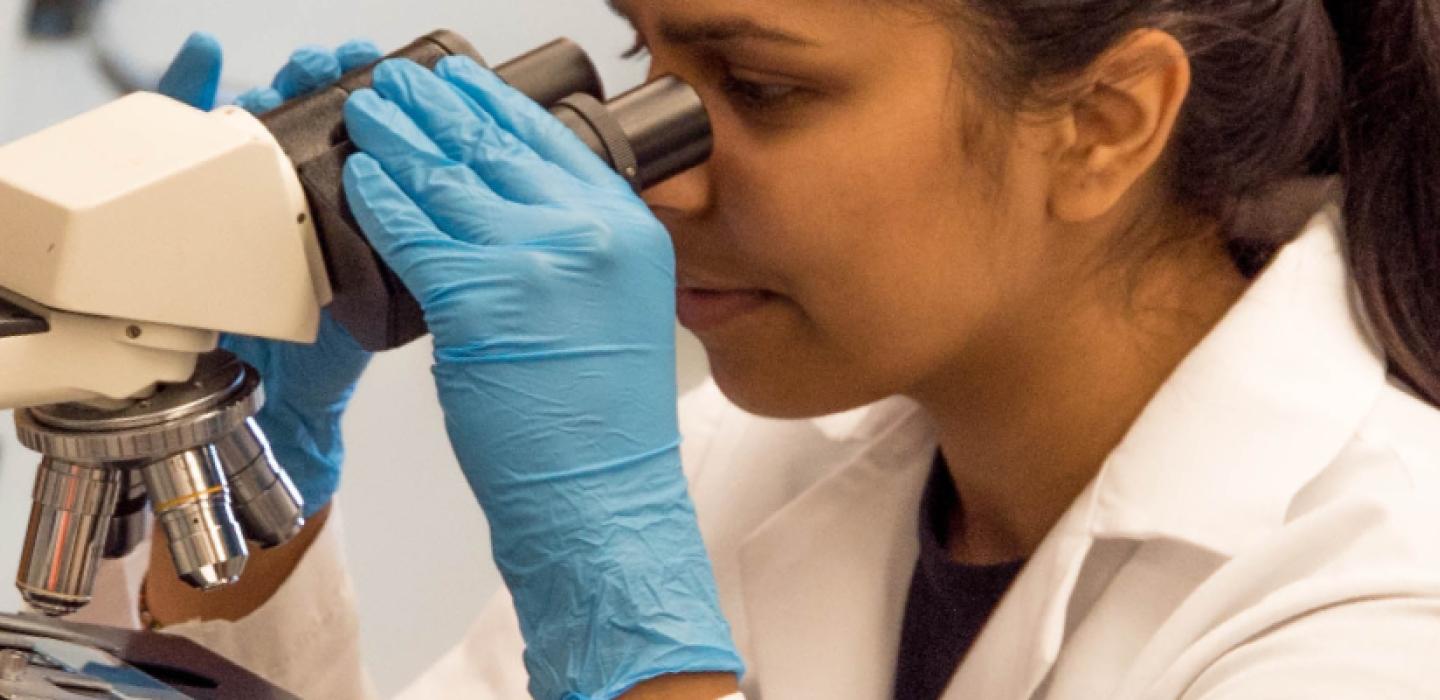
306	386
549	289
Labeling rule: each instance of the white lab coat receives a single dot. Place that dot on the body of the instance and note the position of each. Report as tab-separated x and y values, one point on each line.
1269	528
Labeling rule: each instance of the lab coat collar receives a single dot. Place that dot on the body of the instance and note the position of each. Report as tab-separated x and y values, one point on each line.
863	423
1253	413
825	578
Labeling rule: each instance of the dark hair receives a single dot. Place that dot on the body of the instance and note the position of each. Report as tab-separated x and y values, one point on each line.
1284	92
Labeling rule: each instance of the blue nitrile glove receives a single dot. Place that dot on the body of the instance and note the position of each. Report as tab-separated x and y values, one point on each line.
550	290
306	386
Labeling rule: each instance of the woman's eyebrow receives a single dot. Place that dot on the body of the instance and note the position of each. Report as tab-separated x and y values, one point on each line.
712	31
725	29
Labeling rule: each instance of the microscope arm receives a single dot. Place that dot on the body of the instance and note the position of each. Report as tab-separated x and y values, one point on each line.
132	235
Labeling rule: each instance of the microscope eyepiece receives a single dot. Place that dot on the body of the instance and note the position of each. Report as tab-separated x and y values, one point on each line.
311	128
647	135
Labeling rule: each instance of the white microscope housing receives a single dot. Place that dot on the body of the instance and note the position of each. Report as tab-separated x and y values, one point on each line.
138	231
131	237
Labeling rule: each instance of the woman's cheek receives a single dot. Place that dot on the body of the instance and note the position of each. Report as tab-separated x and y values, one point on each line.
861	248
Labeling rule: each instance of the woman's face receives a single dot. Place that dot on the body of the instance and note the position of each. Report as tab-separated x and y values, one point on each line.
844	242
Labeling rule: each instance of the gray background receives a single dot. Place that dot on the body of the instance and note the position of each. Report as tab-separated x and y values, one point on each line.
417	543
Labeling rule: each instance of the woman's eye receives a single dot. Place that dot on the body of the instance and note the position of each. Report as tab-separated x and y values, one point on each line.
749	94
758	95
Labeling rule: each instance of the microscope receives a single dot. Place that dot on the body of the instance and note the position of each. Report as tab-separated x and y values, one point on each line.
132	236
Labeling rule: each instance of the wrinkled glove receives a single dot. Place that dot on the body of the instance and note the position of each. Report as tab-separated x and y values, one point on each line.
550	290
306	386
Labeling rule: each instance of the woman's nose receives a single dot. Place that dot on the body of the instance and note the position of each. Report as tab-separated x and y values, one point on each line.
688	194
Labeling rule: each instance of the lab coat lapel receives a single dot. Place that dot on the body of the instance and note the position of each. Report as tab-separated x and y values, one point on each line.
1254	413
1020	643
825	579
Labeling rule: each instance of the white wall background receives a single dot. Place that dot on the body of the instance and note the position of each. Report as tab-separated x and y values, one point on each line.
10	17
418	544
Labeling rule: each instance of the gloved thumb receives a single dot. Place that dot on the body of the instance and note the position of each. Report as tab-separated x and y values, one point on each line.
194	75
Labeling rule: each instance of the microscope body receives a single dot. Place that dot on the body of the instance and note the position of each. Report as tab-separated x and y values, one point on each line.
132	236
139	231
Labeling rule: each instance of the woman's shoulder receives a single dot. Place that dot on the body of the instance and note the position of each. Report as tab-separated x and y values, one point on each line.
1406	428
1386	476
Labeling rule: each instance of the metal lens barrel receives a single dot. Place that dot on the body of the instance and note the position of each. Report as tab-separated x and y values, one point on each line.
266	501
172	450
63	547
130	524
189	495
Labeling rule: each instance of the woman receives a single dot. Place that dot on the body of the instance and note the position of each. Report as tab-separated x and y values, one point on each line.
1068	282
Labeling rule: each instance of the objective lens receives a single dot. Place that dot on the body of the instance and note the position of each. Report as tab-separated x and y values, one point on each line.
266	501
104	462
68	520
130	523
192	502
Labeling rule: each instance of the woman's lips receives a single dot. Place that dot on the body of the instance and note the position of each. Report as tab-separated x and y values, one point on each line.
705	309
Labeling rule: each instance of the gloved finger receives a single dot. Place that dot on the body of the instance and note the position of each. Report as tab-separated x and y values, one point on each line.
321	371
466	133
310	68
399	230
314	376
356	53
259	100
450	193
528	121
194	75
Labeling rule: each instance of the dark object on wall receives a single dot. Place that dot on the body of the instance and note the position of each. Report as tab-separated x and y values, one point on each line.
59	18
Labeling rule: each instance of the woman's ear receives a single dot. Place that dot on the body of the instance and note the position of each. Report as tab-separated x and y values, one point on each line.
1118	127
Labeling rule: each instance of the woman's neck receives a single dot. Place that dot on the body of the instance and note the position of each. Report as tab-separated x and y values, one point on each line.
1028	416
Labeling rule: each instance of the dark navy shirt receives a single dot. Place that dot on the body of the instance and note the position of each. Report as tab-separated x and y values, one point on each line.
948	602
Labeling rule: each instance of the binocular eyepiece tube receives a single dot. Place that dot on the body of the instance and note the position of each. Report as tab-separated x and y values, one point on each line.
192	454
647	135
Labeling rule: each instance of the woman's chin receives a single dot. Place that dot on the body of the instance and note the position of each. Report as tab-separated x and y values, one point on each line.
783	394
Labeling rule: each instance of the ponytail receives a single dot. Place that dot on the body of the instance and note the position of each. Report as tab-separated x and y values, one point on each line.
1389	156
